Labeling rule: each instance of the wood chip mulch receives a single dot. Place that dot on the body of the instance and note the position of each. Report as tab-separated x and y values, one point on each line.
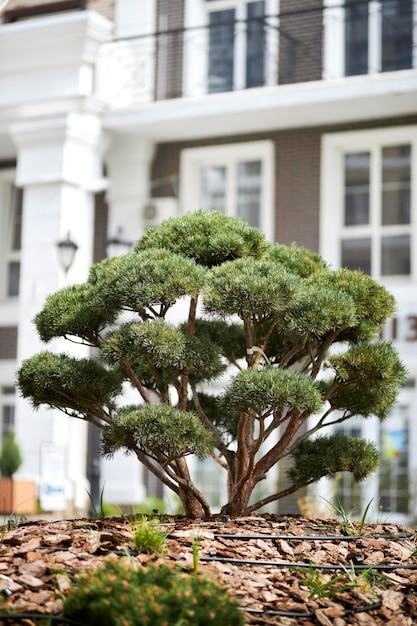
269	562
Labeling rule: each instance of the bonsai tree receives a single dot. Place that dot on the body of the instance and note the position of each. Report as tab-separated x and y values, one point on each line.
10	456
293	342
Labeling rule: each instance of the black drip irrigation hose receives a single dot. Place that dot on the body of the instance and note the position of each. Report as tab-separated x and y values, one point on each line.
334	538
309	537
360	609
56	619
296	565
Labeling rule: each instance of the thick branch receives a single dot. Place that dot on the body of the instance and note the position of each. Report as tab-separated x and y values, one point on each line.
184	480
323	351
242	443
276	422
280	448
292	353
219	459
272	498
218	442
321	424
252	452
184	378
87	417
249	340
162	393
85	408
156	470
135	381
244	455
175	476
90	342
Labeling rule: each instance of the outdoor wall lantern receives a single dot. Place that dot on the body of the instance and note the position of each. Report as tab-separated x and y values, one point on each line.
118	245
66	252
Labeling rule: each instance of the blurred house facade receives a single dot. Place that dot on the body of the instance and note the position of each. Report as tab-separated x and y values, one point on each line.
297	115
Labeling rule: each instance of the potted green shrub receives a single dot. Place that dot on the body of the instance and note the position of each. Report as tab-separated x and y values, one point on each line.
16	496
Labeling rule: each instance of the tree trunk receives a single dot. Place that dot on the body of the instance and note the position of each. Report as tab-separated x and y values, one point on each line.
239	503
193	508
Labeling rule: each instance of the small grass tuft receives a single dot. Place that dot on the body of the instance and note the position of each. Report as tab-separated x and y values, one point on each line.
347	525
148	537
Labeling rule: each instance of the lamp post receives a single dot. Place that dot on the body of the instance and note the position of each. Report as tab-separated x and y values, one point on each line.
66	252
118	245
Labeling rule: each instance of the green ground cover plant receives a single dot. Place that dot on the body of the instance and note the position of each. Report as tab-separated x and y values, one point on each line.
120	594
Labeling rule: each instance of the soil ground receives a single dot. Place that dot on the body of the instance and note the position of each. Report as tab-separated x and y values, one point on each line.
285	570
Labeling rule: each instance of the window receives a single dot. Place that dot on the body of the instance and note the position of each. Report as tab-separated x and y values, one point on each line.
229	45
394	471
365	37
235	179
372	195
356	38
236	46
389	487
396	34
378	36
347	492
7	409
15	236
11	203
218	189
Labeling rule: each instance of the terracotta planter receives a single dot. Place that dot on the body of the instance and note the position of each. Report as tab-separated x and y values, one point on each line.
17	496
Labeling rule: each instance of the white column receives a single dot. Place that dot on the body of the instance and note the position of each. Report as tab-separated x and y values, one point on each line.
334	38
132	20
128	169
59	166
196	49
375	38
128	164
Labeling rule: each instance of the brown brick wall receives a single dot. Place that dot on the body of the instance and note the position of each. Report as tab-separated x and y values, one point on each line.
14	7
297	174
169	49
104	7
19	4
300	41
297	179
297	161
101	211
8	342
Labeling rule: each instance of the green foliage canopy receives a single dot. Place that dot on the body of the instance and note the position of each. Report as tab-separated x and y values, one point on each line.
272	337
209	238
159	430
329	454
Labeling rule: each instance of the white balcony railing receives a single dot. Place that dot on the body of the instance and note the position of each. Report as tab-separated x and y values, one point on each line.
354	38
